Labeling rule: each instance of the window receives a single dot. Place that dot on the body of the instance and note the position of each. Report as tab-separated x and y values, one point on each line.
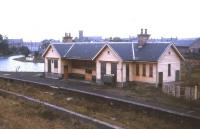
169	69
55	63
151	70
108	52
88	64
144	70
89	71
137	69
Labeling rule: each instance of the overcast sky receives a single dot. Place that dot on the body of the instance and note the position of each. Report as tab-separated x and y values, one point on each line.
39	19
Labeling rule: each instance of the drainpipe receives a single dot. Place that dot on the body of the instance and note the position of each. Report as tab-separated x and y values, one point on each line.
45	65
157	75
122	74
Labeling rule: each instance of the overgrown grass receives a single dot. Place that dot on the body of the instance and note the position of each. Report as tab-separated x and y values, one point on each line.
190	73
156	96
16	114
106	111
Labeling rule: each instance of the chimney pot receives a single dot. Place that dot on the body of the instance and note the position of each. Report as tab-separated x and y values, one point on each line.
143	38
145	31
141	31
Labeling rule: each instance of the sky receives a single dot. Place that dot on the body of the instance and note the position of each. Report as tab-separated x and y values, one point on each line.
35	20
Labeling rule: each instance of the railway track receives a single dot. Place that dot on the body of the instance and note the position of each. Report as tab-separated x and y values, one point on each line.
104	109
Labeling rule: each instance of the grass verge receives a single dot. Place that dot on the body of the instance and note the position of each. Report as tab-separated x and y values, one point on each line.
122	116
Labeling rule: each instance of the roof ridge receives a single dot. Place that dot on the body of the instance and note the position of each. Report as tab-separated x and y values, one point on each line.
69	50
133	51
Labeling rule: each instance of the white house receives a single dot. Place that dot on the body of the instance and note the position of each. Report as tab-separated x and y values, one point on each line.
154	63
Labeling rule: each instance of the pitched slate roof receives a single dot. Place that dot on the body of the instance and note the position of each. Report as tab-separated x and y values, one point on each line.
150	51
184	42
62	48
127	51
124	50
84	51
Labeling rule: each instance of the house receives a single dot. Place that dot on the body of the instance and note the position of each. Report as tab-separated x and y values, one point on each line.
183	45
83	38
154	63
195	46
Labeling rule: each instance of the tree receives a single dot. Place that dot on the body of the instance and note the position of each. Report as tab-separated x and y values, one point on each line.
24	51
4	48
45	44
115	39
36	54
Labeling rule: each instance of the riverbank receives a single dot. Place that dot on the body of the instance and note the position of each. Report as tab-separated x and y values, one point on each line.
9	64
23	59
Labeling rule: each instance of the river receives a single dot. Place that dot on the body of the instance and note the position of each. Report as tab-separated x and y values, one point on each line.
8	64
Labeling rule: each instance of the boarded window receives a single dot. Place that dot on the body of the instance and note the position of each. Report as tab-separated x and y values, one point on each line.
83	64
151	70
137	69
89	71
88	64
55	64
144	70
169	69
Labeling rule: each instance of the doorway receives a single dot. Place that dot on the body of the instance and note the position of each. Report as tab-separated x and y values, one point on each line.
114	70
49	66
66	72
160	79
127	72
177	77
103	69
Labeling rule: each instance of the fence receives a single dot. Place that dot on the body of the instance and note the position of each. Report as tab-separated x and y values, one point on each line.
188	93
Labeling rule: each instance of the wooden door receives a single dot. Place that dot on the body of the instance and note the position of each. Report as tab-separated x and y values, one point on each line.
103	69
160	79
49	66
127	72
114	70
177	77
66	72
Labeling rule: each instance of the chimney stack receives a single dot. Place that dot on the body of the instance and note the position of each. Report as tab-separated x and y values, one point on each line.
67	38
145	31
143	37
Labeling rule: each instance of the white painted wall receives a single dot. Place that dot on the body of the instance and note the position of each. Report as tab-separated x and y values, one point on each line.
108	68
53	55
119	72
141	78
108	56
123	72
98	70
169	57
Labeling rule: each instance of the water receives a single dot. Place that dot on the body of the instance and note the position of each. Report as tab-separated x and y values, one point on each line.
8	64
